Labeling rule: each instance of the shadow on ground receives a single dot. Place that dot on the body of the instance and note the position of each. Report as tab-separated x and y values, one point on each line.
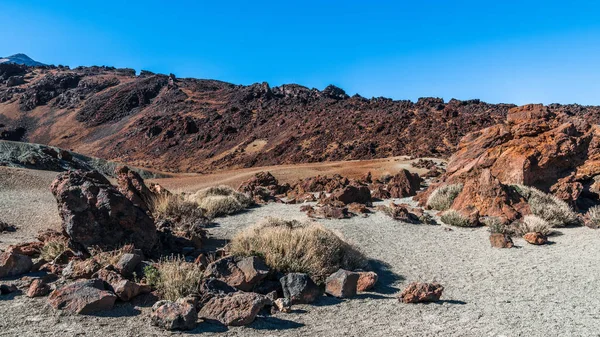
386	278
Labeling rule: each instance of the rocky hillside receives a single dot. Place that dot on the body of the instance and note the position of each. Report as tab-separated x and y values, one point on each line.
20	59
194	125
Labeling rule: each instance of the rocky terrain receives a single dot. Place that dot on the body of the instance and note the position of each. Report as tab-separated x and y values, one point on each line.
192	125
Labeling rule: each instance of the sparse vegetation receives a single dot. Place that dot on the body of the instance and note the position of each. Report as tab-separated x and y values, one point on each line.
185	215
495	226
221	200
174	278
534	223
454	218
52	249
593	215
292	246
548	207
442	198
106	258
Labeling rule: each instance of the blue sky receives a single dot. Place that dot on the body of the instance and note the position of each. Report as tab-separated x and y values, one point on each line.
501	51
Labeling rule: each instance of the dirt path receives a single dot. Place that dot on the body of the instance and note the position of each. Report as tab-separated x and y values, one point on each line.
526	291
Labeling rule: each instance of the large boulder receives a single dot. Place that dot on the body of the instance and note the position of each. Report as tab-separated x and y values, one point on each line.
235	309
96	214
299	288
403	184
14	264
352	194
82	297
180	315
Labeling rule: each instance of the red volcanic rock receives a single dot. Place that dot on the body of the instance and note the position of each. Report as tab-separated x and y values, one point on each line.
14	264
421	292
82	297
352	194
179	315
27	248
38	288
535	238
131	184
342	284
366	280
499	240
96	214
552	150
234	309
262	187
404	184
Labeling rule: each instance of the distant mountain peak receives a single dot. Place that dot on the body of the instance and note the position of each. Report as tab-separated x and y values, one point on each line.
20	58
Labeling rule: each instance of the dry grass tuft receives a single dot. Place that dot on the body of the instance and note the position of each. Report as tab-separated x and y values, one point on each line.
52	249
454	218
548	207
220	200
593	215
442	198
533	223
292	246
185	215
495	226
175	278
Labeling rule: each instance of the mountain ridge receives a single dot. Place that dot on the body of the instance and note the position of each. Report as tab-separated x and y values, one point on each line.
21	58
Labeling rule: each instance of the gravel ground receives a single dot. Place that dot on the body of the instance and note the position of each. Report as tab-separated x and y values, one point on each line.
525	291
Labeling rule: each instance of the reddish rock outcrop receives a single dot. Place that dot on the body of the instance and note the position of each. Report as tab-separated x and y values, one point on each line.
96	214
132	186
554	150
263	187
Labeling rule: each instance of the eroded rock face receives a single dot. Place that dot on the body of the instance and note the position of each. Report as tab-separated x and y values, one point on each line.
235	309
96	214
13	264
131	184
421	292
82	297
554	151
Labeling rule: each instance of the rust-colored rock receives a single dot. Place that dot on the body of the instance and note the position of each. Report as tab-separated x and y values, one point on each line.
499	240
82	297
235	309
421	293
131	184
27	248
14	264
366	280
38	288
180	315
535	238
263	187
342	284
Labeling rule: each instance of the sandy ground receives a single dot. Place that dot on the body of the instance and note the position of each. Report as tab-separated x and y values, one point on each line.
291	173
526	291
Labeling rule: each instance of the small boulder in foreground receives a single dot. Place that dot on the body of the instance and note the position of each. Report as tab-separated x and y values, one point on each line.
180	315
421	293
235	309
499	240
342	284
536	238
82	297
299	288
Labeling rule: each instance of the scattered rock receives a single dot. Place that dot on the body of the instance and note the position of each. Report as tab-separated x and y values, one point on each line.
14	264
241	273
352	194
536	238
6	289
299	288
82	297
4	227
77	269
421	293
342	284
27	248
366	280
283	305
235	309
499	240
128	263
123	288
180	315
38	288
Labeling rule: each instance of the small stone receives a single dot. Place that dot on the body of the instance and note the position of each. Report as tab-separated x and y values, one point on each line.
536	238
180	315
421	292
342	284
366	280
283	305
14	264
127	264
299	288
38	288
499	240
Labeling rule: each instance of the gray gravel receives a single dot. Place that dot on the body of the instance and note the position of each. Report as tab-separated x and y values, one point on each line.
526	291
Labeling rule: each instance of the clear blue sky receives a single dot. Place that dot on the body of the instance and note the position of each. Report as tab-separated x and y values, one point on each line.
498	51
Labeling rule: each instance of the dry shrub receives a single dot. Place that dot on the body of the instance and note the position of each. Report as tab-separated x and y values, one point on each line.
593	216
454	218
533	223
176	278
106	258
292	246
548	207
52	249
495	226
442	198
220	200
185	215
